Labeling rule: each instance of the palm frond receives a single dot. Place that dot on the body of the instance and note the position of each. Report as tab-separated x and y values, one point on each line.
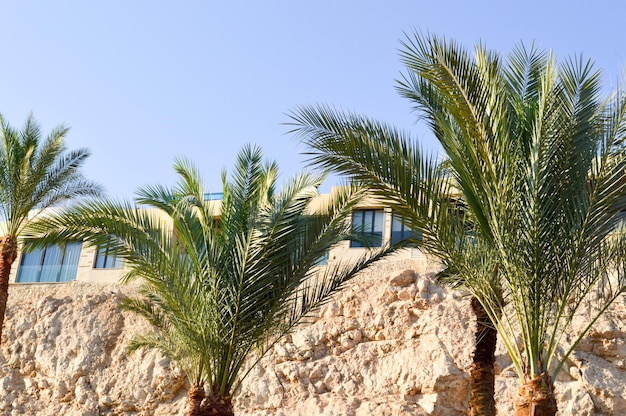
217	285
524	210
37	173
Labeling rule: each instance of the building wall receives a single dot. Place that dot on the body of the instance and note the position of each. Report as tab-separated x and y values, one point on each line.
86	271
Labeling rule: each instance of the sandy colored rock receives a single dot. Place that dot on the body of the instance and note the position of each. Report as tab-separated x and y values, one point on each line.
392	343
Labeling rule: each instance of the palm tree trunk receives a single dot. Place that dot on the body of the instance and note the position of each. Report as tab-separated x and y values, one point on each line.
8	254
219	404
536	397
216	404
482	376
195	396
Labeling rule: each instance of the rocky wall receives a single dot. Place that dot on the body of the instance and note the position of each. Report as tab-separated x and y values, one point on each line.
392	343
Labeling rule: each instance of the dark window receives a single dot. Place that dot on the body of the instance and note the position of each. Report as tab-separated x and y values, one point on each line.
400	231
54	263
368	223
106	260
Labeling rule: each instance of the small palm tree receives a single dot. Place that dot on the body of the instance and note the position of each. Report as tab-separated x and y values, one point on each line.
222	285
537	157
35	173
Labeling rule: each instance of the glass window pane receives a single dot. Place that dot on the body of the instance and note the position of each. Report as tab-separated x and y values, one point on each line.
100	259
51	266
357	224
400	231
357	220
322	261
378	221
104	260
70	262
397	229
369	224
30	266
396	224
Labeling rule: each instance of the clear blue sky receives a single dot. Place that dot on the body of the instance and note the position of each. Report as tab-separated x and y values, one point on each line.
141	82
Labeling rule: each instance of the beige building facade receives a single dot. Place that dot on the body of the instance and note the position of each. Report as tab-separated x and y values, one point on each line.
76	261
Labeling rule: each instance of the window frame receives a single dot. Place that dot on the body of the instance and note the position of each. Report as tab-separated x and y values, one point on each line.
103	253
66	265
368	229
405	231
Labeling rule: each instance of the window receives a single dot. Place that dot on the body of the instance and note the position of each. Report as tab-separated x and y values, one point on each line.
214	196
106	260
368	223
400	231
323	260
54	263
620	221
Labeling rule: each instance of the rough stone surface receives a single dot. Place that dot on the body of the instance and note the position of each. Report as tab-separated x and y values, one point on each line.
63	352
392	343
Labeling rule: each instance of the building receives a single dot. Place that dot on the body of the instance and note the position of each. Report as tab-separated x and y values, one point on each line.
81	262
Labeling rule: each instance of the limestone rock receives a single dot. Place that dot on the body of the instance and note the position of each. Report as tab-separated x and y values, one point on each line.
63	353
392	343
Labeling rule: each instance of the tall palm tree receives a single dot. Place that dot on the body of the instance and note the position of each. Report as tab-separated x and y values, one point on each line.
35	173
536	154
222	285
419	189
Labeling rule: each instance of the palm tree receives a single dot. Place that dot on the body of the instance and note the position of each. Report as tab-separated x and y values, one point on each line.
536	154
419	189
35	173
222	285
